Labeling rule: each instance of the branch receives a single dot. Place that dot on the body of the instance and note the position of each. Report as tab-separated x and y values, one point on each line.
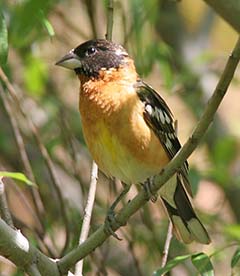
4	210
229	10
91	9
88	214
167	244
109	20
33	271
98	237
15	247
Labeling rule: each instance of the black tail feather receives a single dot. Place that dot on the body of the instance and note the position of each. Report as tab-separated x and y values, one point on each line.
186	224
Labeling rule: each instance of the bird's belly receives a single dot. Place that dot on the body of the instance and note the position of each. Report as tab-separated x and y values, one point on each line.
115	159
122	144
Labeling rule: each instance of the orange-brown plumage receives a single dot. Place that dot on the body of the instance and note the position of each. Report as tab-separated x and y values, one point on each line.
109	106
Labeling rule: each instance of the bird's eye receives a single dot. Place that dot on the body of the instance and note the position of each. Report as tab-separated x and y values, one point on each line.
90	51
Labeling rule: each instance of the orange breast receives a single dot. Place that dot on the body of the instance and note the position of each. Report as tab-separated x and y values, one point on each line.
120	141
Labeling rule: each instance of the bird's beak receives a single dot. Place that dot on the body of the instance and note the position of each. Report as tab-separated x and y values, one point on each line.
70	61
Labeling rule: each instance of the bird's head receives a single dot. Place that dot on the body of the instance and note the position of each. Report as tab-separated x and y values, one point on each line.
89	58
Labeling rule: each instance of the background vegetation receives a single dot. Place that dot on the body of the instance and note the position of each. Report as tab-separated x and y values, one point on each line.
180	48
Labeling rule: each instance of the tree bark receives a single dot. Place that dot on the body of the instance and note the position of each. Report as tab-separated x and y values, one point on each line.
15	247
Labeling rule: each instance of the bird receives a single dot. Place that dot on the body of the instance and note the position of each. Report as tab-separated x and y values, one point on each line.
129	129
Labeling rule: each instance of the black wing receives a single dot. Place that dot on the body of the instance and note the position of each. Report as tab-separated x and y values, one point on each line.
159	117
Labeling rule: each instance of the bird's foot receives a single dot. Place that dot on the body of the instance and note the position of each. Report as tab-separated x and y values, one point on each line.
111	221
147	186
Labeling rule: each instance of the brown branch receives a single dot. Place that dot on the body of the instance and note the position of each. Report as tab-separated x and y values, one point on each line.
71	26
91	6
32	270
109	20
134	257
4	210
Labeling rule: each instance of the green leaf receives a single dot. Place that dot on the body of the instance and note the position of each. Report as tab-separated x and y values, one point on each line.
235	258
171	264
17	176
3	40
203	264
49	27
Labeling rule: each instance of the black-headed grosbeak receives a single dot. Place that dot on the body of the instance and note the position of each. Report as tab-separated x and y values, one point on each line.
128	128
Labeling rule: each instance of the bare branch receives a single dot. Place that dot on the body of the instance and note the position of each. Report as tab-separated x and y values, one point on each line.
87	214
33	270
4	210
65	18
91	7
15	247
167	244
109	20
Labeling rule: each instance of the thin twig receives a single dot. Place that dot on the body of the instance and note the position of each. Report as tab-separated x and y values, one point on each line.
87	214
24	157
44	243
109	20
4	210
71	26
98	260
44	152
132	252
167	244
90	4
32	270
99	236
24	200
68	140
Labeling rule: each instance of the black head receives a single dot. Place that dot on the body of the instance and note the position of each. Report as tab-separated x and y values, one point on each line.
92	56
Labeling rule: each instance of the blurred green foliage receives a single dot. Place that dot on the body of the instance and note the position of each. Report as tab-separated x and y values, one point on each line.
158	36
35	76
28	21
3	40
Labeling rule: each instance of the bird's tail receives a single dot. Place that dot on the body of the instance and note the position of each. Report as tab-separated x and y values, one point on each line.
187	226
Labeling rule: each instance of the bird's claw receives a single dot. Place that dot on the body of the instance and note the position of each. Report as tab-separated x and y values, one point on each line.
148	190
109	222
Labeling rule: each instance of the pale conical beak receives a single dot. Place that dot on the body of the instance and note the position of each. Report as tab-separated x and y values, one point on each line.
70	61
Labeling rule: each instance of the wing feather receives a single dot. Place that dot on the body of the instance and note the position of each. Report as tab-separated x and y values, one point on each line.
160	118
